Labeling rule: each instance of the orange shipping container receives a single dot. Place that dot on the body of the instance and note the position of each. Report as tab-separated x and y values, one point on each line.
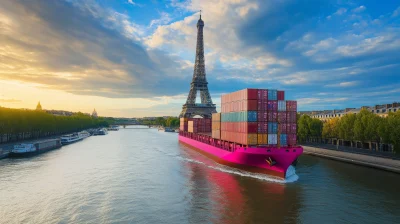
216	125
262	139
216	134
216	117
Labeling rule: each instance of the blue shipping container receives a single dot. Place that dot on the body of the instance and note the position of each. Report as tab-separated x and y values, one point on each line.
251	116
272	94
283	139
272	127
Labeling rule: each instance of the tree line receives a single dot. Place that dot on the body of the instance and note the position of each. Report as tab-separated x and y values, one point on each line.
363	126
169	122
17	124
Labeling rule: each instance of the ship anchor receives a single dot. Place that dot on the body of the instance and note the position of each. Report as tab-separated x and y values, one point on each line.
270	161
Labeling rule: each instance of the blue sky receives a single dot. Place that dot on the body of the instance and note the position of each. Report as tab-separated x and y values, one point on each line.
135	58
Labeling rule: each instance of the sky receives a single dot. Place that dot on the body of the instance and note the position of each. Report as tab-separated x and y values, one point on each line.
132	58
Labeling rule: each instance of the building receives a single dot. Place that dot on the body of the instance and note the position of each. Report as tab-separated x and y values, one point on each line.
94	113
39	107
59	112
380	110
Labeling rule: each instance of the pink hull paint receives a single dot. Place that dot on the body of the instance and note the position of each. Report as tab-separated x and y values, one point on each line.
251	159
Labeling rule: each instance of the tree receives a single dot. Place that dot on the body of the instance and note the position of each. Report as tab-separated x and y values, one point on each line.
393	128
303	130
331	128
346	127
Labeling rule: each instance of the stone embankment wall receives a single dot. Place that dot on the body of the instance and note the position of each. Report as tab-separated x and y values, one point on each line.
365	160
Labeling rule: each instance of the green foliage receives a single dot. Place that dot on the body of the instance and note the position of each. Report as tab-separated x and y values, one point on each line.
169	122
365	126
393	130
346	127
308	127
331	128
40	123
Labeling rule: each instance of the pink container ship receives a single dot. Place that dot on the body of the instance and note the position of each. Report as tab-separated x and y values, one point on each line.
256	132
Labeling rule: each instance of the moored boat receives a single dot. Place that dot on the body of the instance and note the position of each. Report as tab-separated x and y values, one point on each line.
70	138
84	134
167	129
28	149
101	131
113	128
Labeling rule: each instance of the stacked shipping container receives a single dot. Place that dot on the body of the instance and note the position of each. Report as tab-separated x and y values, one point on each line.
258	117
216	125
250	117
195	125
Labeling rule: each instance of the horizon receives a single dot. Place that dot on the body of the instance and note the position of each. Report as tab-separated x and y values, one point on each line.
135	58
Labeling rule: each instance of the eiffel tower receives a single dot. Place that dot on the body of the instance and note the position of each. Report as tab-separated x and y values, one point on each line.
199	83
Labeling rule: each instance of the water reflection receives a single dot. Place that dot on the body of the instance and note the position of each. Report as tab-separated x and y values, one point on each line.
236	199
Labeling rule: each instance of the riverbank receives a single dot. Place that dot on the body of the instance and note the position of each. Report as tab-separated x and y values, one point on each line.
388	164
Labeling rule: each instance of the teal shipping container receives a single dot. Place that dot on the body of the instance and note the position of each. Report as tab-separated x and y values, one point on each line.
272	94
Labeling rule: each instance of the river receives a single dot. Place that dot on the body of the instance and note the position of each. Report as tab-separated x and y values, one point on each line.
146	176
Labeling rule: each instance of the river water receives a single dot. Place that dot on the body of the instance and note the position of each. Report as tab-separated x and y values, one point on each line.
146	176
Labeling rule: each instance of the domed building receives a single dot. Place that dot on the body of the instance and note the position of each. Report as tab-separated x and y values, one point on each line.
94	113
39	107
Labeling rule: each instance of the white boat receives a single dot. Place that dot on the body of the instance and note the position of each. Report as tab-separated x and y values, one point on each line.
23	149
113	128
101	131
71	138
26	149
84	134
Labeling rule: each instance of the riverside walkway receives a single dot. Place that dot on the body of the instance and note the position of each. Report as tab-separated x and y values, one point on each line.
379	160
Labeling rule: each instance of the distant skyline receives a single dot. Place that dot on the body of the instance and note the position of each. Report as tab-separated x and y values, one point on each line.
131	58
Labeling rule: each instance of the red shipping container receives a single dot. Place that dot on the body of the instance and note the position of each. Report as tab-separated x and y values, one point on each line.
249	127
249	94
282	128
262	94
272	105
272	116
249	105
282	117
291	128
262	127
262	116
291	105
281	95
261	105
292	117
291	139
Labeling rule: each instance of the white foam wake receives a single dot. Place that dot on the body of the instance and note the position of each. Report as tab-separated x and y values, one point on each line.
291	175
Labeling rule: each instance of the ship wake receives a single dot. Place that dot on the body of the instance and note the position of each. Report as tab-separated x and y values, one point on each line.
291	175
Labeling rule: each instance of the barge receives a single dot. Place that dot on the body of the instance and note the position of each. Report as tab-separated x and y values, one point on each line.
255	131
29	149
273	161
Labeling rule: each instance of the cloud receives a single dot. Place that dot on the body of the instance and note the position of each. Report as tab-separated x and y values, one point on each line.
359	9
134	3
340	11
164	19
343	84
10	101
83	49
396	12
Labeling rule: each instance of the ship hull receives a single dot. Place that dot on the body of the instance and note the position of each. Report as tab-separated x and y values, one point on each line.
34	153
249	159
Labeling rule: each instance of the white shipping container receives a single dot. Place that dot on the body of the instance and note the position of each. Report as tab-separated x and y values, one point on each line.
272	139
281	105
